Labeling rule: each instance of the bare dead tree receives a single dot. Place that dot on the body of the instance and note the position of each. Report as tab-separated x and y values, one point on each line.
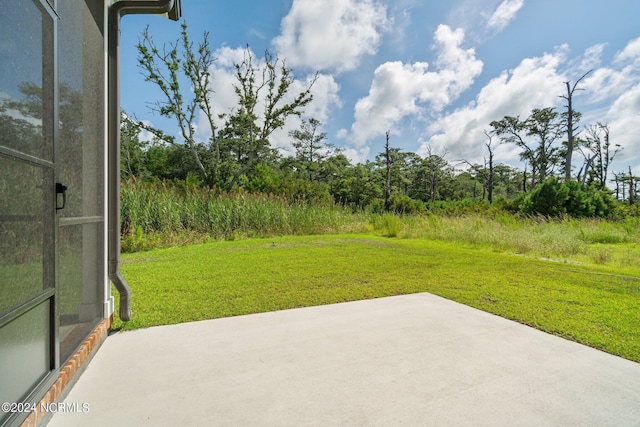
490	164
571	127
583	173
633	181
432	167
598	154
487	172
619	181
388	161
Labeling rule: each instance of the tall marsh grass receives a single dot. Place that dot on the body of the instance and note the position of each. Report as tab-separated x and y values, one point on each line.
160	214
590	240
165	214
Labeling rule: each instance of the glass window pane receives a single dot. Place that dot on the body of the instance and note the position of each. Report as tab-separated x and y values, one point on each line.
26	123
25	212
80	164
24	354
22	102
81	108
80	271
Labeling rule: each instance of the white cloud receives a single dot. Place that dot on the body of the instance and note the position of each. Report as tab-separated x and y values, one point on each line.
325	96
611	95
630	52
145	135
399	90
357	154
396	90
624	122
609	82
592	57
628	104
535	82
15	113
606	82
504	14
331	34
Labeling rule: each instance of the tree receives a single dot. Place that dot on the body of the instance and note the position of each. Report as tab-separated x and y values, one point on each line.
403	171
489	163
543	125
507	181
601	154
133	150
549	199
19	130
555	198
487	172
358	184
431	173
249	129
512	130
571	127
626	186
165	68
310	151
536	136
388	160
633	183
618	179
244	137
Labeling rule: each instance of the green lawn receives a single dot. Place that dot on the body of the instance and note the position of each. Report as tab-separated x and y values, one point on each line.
590	304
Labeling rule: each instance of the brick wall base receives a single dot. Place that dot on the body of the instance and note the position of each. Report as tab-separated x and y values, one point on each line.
69	370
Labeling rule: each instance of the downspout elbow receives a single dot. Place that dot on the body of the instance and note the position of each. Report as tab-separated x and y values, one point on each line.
123	290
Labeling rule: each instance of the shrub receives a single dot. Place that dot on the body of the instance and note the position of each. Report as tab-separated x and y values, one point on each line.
548	198
605	206
376	206
626	210
401	204
555	198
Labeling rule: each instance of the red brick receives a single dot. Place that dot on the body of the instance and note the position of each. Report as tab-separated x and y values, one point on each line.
30	421
68	371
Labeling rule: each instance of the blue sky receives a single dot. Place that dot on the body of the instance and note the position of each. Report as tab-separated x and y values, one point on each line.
433	73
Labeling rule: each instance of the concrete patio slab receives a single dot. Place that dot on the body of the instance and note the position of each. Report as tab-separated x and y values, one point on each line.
408	360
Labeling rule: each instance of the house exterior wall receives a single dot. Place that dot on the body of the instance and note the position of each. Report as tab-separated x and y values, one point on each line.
55	303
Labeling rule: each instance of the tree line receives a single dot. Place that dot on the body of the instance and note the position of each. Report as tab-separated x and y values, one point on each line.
566	168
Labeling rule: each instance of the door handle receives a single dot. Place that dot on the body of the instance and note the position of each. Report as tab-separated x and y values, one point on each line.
61	189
